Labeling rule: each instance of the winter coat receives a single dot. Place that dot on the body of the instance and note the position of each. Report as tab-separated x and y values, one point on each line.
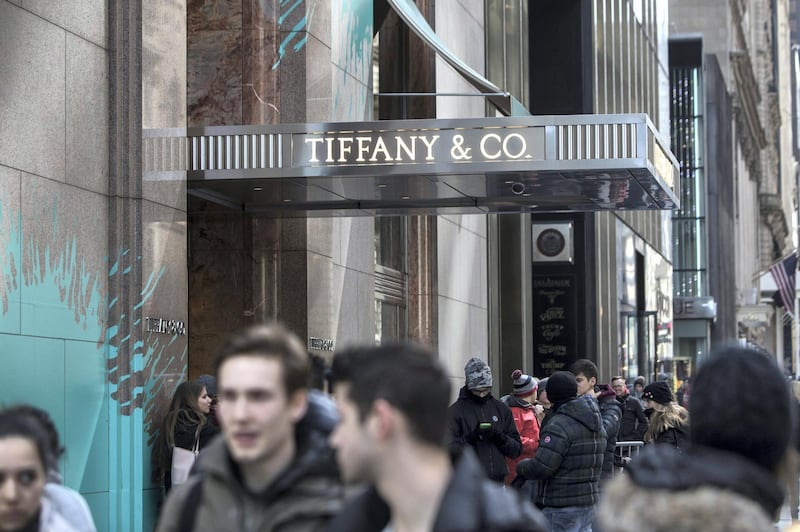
67	504
611	414
570	457
528	427
467	413
302	499
471	503
64	510
634	423
675	436
184	438
670	428
701	490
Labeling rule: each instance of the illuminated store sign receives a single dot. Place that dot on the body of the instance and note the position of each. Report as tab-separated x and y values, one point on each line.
452	146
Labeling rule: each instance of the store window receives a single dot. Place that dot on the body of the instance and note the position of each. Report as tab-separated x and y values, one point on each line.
390	278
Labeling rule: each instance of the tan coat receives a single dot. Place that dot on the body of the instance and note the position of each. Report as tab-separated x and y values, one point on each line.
625	507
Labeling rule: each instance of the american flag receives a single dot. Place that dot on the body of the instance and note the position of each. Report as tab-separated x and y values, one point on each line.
783	273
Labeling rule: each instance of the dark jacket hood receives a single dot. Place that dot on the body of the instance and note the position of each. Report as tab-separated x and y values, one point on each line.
584	410
662	467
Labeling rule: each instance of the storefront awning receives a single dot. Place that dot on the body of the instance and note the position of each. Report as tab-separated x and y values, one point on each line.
509	164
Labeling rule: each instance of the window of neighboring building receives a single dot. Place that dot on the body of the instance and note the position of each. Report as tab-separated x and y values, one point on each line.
688	222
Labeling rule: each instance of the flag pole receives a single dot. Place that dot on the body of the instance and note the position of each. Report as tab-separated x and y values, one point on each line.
765	270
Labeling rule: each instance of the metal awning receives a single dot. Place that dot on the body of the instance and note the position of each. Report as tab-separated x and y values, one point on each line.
508	164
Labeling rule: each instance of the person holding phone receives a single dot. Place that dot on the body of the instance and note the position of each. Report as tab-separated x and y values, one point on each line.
482	422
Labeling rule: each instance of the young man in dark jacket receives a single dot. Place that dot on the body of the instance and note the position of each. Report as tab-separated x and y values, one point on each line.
273	469
393	402
633	424
569	459
585	372
480	421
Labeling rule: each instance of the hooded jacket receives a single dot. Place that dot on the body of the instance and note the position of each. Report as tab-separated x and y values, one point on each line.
471	503
528	427
570	457
301	499
467	413
702	489
63	503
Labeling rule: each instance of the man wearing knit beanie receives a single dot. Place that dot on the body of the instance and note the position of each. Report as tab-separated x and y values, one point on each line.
482	422
524	412
727	478
569	459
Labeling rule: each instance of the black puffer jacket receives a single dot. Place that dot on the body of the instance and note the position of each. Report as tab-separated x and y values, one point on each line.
471	503
570	457
467	413
700	490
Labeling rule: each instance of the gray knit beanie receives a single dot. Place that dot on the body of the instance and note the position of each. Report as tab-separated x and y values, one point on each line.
478	374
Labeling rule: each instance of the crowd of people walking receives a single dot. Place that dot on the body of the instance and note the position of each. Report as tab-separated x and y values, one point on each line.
254	448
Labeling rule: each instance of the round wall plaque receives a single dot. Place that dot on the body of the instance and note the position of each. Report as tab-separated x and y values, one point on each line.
550	242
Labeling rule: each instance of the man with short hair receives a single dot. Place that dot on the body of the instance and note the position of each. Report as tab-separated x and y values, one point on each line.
634	423
568	462
585	372
638	387
266	473
480	421
393	402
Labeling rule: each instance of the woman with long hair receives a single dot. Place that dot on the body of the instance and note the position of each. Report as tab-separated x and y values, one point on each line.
669	421
186	422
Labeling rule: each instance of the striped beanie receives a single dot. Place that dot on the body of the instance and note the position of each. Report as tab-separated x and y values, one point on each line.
523	384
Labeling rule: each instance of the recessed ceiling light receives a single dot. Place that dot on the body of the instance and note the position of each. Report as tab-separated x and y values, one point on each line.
257	188
405	197
287	201
381	185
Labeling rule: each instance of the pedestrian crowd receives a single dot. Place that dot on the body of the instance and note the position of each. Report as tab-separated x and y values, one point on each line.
259	445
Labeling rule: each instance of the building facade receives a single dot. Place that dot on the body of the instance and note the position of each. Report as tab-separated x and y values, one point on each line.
732	93
120	274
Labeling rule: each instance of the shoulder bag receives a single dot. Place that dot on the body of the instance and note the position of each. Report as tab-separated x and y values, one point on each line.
183	460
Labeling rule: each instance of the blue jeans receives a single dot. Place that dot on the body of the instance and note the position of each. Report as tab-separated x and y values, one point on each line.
570	518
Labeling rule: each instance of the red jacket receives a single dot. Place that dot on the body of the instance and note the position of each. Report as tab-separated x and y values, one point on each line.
528	428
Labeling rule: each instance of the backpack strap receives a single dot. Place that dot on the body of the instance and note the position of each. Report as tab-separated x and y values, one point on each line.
190	506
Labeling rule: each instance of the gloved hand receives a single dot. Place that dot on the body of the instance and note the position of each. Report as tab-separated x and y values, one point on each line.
473	437
496	437
522	468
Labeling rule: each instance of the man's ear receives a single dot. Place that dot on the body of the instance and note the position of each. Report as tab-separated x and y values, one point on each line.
298	404
383	420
